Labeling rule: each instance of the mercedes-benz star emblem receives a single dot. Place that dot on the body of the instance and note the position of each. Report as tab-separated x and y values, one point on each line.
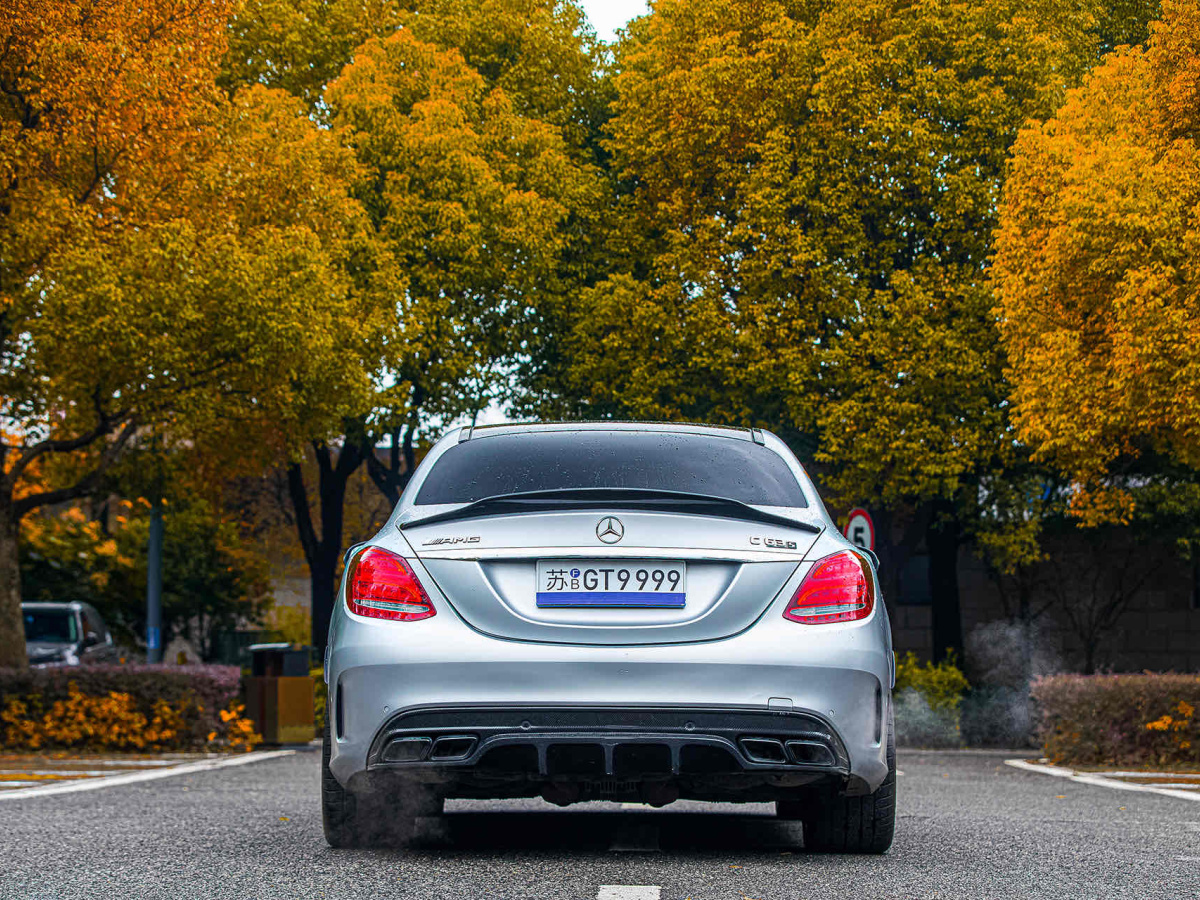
610	530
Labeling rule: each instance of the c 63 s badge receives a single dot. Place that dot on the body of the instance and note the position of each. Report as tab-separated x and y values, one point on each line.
773	543
473	539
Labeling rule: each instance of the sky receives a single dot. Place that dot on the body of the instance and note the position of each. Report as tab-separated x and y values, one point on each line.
609	15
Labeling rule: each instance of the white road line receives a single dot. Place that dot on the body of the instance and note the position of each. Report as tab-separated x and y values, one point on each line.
629	892
1098	780
93	784
79	773
124	763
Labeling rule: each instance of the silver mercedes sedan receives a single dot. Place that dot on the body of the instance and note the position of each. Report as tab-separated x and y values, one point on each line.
627	612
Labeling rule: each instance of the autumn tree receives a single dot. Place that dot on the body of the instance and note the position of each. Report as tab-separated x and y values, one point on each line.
213	580
474	125
172	257
1097	271
811	193
300	46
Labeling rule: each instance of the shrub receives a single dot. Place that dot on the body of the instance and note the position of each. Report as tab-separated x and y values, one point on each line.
942	685
1129	720
136	707
927	702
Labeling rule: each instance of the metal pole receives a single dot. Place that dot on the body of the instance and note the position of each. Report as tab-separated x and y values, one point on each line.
154	648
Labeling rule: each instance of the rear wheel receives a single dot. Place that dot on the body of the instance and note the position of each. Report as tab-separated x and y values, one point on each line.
837	824
375	820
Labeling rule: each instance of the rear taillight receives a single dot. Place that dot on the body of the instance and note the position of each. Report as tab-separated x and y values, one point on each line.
838	588
383	586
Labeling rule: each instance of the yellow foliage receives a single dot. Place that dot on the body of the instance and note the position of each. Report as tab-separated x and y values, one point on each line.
1181	726
114	722
239	731
1097	266
803	245
942	685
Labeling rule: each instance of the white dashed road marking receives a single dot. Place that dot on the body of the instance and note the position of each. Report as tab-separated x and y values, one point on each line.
103	781
629	892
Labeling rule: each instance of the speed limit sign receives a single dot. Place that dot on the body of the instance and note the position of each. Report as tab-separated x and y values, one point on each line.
860	529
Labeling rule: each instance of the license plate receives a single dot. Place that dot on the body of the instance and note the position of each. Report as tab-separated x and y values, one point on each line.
594	582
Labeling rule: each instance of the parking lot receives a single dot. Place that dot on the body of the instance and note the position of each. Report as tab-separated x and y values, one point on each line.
969	826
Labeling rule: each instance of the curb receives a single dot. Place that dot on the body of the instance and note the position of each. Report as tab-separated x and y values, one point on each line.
103	781
1095	778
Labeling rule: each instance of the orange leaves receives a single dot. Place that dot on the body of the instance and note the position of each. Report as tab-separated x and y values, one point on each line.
98	95
239	733
114	722
1097	266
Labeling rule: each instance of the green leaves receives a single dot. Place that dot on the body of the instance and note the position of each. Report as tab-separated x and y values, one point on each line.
811	194
468	199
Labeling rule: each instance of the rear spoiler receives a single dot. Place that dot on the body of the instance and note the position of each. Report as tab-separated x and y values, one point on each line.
607	499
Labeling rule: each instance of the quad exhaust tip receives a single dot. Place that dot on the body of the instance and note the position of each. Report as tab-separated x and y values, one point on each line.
764	750
810	753
447	748
775	752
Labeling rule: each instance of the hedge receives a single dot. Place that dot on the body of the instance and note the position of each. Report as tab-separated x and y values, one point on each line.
1126	720
123	707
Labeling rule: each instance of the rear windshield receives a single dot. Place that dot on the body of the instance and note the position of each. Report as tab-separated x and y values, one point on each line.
497	465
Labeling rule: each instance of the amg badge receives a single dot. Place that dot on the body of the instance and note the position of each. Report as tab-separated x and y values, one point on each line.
474	539
774	543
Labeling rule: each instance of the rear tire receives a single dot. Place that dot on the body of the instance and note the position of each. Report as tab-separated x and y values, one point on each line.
838	824
377	820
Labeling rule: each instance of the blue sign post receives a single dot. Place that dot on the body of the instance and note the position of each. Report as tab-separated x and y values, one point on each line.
154	549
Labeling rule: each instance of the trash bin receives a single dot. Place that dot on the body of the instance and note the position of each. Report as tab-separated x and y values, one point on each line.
279	693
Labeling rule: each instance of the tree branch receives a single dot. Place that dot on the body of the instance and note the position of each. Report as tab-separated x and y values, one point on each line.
382	477
86	484
304	523
106	425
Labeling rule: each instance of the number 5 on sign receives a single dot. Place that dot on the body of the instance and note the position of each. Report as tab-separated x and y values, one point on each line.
860	529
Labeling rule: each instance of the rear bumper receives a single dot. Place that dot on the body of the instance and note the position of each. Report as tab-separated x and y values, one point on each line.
485	691
572	753
606	741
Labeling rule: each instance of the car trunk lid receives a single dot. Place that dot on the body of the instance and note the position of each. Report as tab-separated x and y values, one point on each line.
486	567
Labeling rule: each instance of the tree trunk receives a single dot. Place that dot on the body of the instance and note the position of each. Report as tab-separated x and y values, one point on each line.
323	582
12	625
392	479
894	554
323	551
942	540
1090	646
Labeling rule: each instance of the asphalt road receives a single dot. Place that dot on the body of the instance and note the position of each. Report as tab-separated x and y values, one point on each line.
969	827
